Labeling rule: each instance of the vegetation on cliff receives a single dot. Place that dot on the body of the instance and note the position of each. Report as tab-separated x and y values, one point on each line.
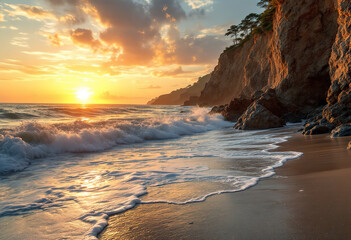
254	23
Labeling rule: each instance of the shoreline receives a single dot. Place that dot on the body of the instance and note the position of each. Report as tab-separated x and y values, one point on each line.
280	199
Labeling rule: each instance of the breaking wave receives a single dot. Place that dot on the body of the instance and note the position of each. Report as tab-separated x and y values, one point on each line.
33	140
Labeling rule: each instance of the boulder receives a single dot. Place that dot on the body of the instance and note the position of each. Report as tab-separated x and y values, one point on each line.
258	117
236	108
270	101
342	131
192	101
218	109
308	127
318	129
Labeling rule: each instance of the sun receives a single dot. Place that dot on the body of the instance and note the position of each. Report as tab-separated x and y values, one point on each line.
83	94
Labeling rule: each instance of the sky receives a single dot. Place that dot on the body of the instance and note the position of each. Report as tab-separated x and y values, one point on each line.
110	51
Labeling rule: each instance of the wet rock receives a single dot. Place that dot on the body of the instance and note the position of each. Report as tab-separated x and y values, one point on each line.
308	127
258	117
236	108
193	100
218	109
342	131
319	129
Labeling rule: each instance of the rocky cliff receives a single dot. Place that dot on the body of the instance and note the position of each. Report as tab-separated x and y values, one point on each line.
240	71
336	115
293	59
338	110
307	72
180	96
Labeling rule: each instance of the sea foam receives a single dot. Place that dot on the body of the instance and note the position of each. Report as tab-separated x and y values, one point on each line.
33	140
72	195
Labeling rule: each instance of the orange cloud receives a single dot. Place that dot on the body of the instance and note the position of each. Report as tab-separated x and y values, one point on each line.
151	87
82	36
34	12
54	39
168	73
136	33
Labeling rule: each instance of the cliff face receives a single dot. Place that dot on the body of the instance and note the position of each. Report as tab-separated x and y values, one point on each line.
293	59
182	95
338	110
240	71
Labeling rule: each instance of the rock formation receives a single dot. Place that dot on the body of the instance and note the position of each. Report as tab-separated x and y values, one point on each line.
293	59
189	94
337	113
307	54
258	117
300	70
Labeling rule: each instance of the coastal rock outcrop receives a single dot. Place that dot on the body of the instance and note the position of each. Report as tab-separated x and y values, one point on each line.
337	112
258	117
240	72
234	109
184	96
300	70
293	59
342	131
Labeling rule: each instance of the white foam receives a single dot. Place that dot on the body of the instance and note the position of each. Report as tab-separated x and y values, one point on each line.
88	188
239	183
32	140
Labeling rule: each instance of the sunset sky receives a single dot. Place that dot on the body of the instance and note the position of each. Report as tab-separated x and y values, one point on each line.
110	51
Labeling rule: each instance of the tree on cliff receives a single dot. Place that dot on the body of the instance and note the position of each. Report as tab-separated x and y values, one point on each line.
254	23
233	32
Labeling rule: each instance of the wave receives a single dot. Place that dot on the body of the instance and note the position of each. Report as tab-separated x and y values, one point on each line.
11	115
238	183
33	140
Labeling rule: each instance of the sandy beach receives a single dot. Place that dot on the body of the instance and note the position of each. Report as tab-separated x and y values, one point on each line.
308	198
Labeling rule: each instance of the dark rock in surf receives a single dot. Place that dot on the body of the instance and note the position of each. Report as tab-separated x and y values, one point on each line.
236	108
258	117
342	131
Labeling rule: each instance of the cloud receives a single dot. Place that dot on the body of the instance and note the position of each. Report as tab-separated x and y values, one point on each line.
152	87
69	15
54	39
2	17
33	12
101	70
20	41
106	95
19	67
132	32
190	49
217	30
85	37
198	3
168	73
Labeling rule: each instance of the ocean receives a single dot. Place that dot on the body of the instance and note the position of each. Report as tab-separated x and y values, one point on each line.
64	169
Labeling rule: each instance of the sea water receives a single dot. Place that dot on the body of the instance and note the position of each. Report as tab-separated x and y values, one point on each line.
64	169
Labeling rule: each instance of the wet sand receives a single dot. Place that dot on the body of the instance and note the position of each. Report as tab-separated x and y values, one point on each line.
308	198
